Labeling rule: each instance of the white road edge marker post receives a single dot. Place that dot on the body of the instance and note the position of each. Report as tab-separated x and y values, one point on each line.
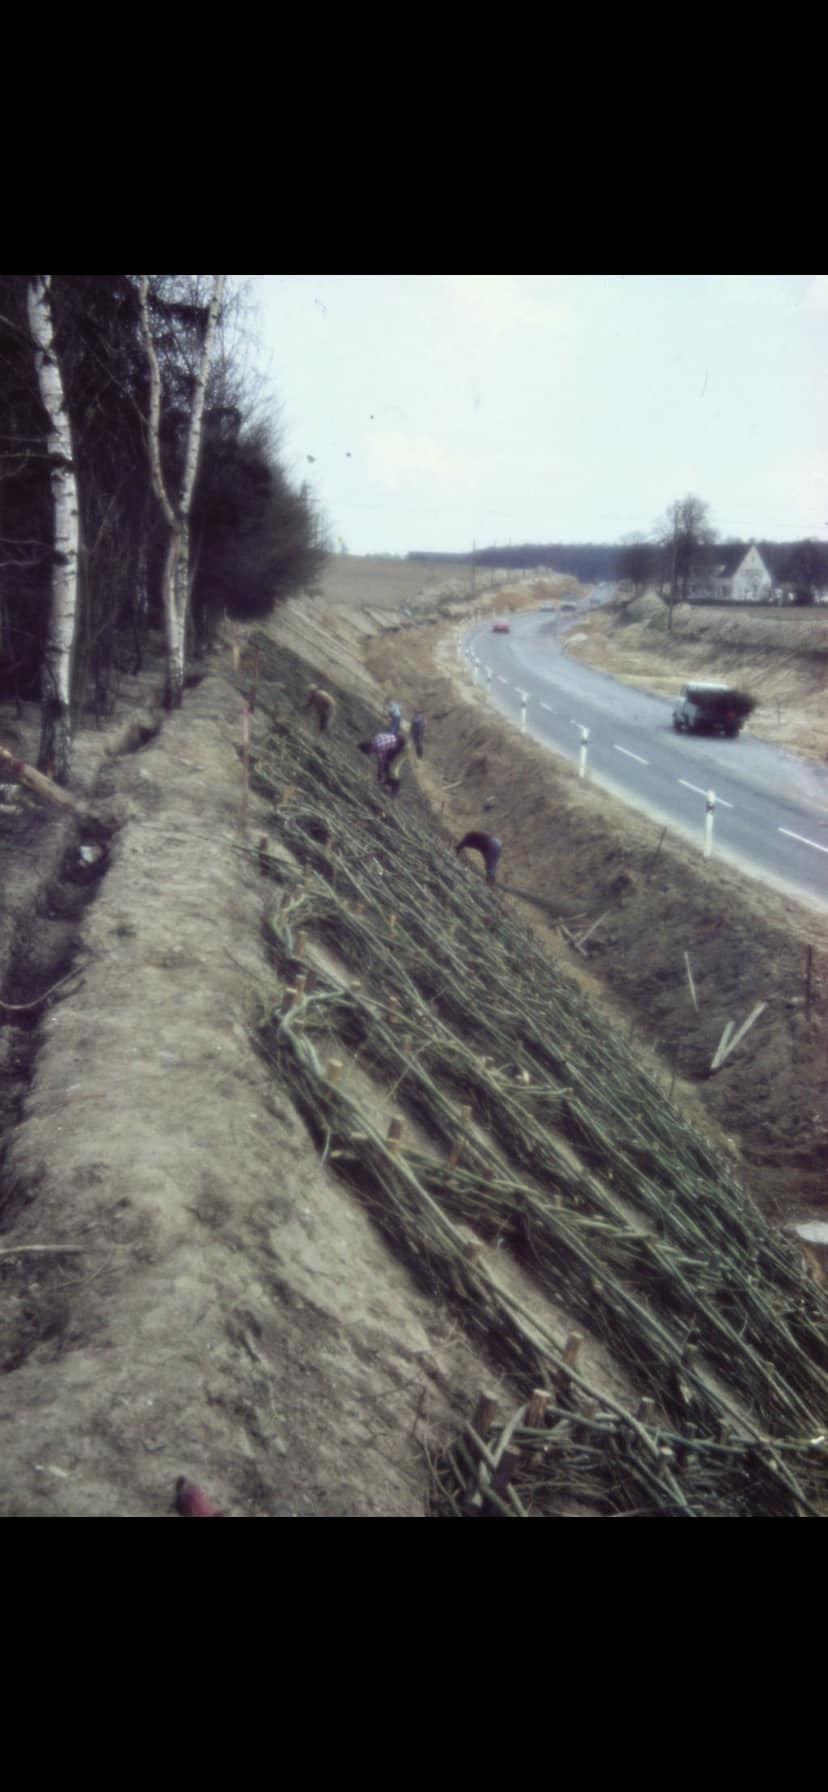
708	824
524	699
488	675
582	757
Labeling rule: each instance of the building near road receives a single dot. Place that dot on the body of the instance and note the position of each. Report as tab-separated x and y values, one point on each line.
751	583
738	577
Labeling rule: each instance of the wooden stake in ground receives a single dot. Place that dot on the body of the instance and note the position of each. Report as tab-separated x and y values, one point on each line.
395	1133
650	867
579	942
252	698
691	983
246	766
457	1147
484	1413
36	781
536	1409
726	1044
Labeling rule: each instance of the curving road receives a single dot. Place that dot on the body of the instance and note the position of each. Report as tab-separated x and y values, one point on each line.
771	815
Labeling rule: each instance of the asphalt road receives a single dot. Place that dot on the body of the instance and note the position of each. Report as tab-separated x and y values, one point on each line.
771	814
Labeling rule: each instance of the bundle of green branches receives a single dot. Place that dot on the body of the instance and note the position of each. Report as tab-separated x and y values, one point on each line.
542	1463
686	1471
573	1154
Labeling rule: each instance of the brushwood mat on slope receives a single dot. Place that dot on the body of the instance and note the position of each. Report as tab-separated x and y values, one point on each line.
583	1167
660	905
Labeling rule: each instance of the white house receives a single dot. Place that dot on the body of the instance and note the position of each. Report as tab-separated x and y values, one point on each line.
751	583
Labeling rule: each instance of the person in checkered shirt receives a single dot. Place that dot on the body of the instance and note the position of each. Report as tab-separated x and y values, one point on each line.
389	749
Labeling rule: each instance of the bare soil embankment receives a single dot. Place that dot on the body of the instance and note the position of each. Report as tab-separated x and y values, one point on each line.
184	1289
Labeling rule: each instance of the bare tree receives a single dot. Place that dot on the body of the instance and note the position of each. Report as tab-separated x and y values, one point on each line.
683	533
55	734
804	570
635	562
176	514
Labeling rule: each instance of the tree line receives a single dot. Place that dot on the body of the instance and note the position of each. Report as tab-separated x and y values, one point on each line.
683	552
140	487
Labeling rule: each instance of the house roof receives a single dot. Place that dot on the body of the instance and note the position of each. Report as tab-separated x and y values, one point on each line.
731	555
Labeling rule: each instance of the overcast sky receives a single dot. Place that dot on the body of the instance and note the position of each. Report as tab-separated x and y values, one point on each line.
442	409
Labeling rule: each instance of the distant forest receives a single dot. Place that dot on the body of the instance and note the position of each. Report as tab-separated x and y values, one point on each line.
803	564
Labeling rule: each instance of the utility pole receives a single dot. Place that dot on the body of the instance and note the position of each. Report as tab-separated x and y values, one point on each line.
673	572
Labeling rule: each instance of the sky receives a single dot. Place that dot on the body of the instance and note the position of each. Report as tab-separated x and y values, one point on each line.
438	411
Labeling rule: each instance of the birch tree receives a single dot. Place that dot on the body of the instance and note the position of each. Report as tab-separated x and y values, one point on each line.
55	732
175	582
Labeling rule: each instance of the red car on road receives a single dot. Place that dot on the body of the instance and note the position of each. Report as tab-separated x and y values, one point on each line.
501	628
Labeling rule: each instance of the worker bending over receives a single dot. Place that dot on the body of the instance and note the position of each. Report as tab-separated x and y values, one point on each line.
490	848
389	750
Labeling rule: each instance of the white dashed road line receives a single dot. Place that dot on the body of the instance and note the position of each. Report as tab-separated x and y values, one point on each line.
501	679
814	843
548	707
631	755
721	801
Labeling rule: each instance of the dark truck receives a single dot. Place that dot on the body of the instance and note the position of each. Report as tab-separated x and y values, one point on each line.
711	709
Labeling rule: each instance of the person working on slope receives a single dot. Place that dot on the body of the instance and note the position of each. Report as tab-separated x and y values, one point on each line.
418	726
389	749
490	848
394	714
323	704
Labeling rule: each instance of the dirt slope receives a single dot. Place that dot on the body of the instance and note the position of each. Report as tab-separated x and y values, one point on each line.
182	1289
185	1287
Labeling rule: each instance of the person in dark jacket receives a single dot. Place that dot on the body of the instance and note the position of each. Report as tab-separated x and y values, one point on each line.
418	725
488	846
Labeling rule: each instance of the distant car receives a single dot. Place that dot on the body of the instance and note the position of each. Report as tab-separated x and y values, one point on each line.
711	709
569	606
501	628
545	607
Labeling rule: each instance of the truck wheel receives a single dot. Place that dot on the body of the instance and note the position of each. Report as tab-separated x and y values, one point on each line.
677	724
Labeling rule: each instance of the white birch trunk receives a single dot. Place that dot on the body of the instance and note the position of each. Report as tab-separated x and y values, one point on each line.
176	575
55	734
